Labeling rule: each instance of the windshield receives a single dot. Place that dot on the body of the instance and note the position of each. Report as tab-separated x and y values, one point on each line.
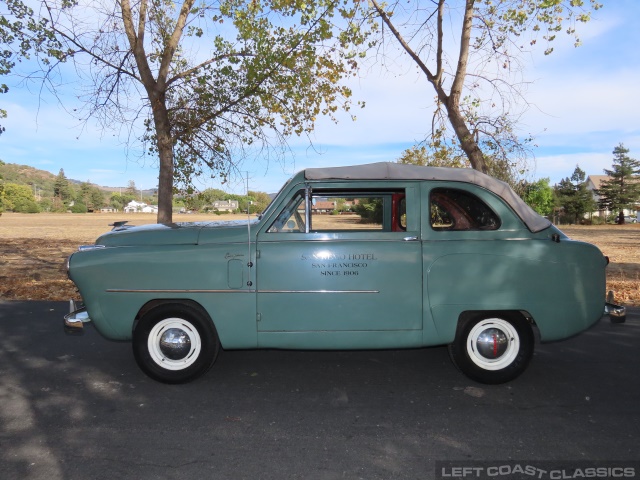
270	206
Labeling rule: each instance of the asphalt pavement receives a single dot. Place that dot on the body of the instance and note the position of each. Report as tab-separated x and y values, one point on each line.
79	408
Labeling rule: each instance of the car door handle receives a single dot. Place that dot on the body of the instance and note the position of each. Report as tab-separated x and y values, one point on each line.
410	239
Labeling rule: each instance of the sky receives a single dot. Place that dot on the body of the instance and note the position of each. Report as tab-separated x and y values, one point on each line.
583	103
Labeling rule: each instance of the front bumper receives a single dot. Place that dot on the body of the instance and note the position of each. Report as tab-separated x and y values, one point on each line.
76	318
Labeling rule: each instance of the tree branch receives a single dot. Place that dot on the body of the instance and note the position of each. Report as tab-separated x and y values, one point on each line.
172	44
191	71
463	59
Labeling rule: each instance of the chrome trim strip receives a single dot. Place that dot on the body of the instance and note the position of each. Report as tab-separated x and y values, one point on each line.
169	290
88	248
125	290
318	291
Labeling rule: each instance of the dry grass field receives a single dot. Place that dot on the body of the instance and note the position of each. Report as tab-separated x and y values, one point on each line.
33	249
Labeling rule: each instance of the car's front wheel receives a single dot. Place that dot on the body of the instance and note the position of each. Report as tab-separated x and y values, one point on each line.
175	343
493	348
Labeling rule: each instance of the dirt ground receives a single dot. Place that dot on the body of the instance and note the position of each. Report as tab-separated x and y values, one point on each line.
621	243
33	250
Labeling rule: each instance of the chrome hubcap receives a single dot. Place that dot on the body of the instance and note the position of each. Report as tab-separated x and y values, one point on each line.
175	343
493	344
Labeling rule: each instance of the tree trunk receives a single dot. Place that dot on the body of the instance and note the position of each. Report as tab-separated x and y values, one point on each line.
452	103
467	140
165	152
156	90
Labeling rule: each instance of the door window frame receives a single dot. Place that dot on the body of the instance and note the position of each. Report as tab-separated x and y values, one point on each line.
413	211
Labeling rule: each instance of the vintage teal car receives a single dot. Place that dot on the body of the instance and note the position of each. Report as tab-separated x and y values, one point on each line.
373	256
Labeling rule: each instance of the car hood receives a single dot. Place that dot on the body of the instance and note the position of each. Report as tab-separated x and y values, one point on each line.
182	233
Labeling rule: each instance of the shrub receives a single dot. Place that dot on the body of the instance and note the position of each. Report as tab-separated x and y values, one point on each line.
78	208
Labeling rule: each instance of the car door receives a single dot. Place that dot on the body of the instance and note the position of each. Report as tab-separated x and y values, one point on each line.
341	258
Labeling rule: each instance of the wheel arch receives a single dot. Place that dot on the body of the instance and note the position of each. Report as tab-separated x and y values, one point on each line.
467	314
185	302
472	313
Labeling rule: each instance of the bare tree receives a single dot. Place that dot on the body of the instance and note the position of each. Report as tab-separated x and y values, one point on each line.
204	84
469	51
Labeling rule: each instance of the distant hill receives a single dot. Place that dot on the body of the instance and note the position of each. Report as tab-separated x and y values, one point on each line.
25	175
42	180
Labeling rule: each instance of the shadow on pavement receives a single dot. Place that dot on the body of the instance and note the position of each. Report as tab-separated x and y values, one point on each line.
79	408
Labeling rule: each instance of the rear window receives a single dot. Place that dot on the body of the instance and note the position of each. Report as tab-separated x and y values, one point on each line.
458	210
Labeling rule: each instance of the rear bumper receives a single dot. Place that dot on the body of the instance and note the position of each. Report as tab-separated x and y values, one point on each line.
76	318
617	313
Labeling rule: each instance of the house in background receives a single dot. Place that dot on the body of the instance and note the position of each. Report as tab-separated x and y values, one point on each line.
323	206
225	205
328	206
139	207
594	182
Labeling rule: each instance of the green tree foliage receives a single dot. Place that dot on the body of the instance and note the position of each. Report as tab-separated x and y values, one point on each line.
371	210
90	196
53	192
46	204
23	35
442	157
78	207
574	197
272	69
539	196
260	201
62	191
622	190
119	201
41	180
255	201
446	156
476	78
97	200
19	198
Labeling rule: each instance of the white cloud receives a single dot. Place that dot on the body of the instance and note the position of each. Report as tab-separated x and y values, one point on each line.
571	103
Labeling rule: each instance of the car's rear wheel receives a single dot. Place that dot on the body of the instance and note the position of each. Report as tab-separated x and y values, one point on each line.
493	348
175	343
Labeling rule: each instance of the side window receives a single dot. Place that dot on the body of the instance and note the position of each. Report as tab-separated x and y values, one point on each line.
456	210
336	211
291	218
344	210
383	210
